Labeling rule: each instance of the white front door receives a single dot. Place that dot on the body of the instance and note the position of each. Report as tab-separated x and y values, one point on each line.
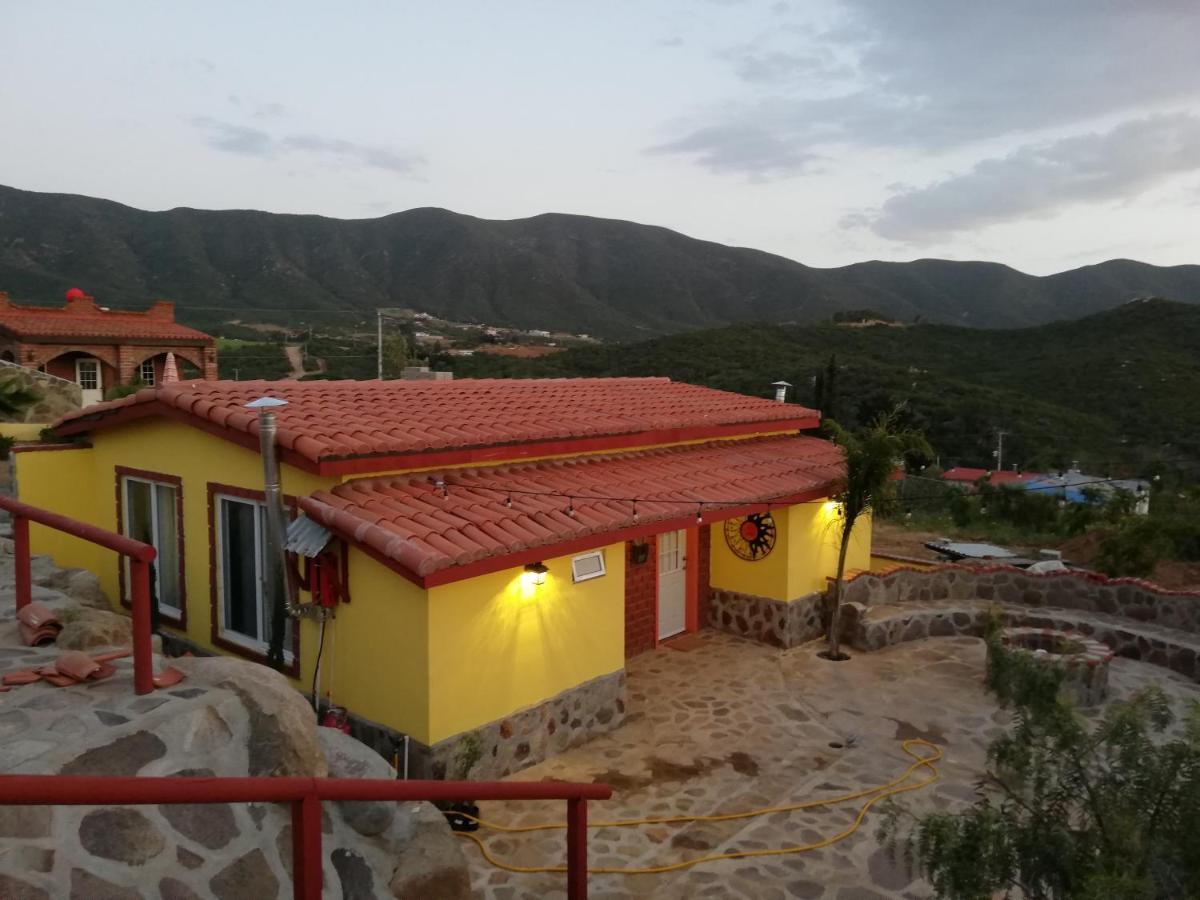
87	376
672	583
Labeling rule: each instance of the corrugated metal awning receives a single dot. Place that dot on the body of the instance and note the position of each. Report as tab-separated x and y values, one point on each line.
307	537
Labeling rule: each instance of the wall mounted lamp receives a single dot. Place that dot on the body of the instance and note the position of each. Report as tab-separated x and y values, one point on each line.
535	573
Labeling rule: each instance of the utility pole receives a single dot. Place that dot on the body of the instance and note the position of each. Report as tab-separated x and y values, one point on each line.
379	344
999	451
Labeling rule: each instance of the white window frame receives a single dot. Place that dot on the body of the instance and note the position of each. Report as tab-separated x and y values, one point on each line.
174	612
597	555
258	646
146	372
92	366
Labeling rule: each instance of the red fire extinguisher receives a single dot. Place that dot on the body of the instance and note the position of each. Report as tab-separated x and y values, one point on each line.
336	717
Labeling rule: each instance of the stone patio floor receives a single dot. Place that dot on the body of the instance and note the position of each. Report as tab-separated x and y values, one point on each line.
734	725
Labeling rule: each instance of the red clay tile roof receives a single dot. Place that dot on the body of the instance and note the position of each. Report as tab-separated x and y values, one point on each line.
965	473
84	320
407	518
343	420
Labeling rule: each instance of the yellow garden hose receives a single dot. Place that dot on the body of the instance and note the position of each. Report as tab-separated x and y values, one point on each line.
877	793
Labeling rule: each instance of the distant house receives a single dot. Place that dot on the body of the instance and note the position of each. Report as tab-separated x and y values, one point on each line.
1072	485
100	348
494	549
967	478
1075	486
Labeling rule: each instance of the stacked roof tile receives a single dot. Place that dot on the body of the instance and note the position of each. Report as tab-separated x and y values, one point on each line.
428	522
338	420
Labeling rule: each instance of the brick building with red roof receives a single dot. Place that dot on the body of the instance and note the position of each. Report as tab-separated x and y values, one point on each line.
492	550
100	348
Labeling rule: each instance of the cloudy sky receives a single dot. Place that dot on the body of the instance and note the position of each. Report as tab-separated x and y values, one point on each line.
1047	135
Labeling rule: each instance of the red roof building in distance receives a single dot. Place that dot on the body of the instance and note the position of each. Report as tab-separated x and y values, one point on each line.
100	348
965	476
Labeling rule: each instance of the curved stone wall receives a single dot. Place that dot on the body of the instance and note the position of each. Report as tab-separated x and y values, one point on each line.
1129	598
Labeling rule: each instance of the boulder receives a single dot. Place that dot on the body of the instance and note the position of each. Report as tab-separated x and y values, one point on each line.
85	628
432	863
84	588
347	758
282	738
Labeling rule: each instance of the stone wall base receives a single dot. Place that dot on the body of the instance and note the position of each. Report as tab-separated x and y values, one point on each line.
537	732
775	622
524	738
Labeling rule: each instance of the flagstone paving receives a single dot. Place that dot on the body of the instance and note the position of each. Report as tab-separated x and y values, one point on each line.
734	725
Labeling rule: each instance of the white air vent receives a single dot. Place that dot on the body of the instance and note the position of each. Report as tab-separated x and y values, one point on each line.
587	566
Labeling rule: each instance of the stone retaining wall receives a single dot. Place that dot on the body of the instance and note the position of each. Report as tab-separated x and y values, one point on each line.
1178	651
538	732
762	619
56	397
1129	598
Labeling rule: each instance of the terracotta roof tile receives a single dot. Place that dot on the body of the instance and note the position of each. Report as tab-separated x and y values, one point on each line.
338	420
86	320
426	532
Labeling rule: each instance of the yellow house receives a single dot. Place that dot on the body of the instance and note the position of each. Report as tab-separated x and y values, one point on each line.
488	553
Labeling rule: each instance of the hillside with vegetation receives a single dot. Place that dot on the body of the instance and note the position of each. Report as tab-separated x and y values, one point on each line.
1118	391
614	279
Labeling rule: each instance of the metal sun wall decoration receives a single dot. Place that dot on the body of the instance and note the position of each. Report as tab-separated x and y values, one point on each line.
751	538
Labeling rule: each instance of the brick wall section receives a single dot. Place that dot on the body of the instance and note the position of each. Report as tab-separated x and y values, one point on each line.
641	599
121	362
704	585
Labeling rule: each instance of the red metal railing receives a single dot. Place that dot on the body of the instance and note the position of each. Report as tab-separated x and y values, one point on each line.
305	795
140	556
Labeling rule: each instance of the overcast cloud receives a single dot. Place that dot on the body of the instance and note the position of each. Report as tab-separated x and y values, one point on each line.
1035	180
247	141
942	76
1045	134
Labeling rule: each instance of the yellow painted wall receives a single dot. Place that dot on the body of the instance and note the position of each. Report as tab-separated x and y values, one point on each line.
64	481
82	484
766	577
376	658
805	554
815	533
498	643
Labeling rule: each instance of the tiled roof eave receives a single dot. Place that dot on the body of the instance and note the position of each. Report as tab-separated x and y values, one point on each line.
492	453
434	536
180	340
382	546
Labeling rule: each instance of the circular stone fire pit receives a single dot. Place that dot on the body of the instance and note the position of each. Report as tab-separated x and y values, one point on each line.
1084	662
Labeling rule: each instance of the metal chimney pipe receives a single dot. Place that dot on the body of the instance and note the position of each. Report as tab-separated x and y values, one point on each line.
275	585
781	389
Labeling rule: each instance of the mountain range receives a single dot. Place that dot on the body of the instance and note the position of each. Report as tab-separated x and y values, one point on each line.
1117	391
613	279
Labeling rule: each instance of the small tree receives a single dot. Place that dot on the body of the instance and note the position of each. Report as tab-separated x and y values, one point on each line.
871	457
1068	811
395	355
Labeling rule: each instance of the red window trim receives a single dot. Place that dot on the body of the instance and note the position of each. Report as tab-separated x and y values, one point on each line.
176	482
216	489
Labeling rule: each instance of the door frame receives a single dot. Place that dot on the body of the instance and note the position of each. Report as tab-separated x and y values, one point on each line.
691	585
99	388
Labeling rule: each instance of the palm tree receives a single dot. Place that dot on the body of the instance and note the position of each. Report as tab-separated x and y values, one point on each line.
15	397
872	455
